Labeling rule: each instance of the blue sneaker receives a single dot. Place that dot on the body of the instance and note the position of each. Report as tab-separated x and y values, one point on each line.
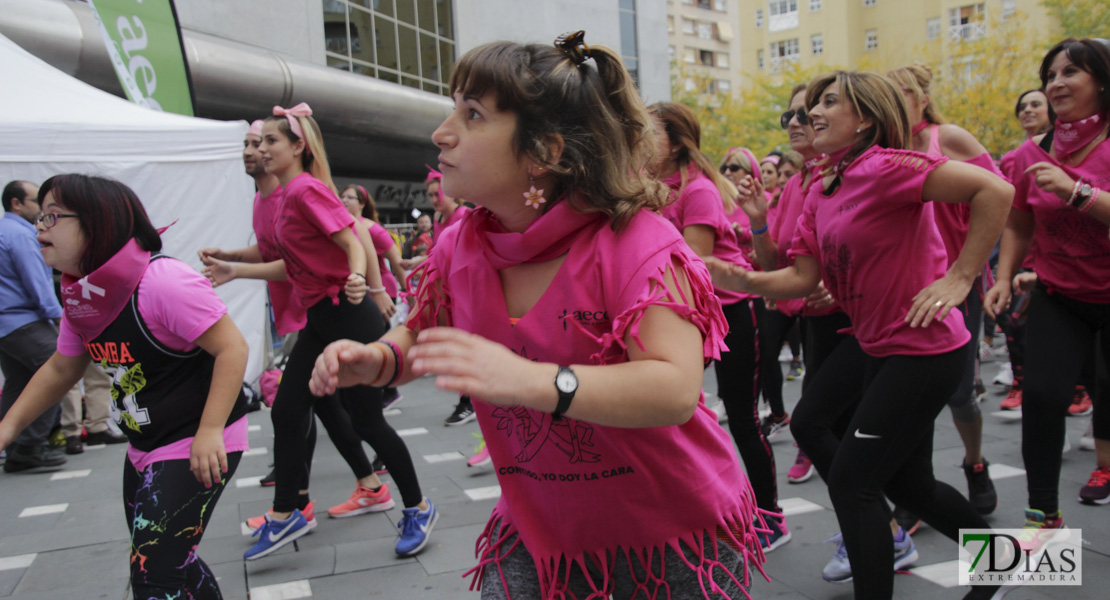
779	535
276	534
416	528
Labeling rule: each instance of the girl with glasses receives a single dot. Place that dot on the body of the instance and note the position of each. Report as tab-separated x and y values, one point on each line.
176	360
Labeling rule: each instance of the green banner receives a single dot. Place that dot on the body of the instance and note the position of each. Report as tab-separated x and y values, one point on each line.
144	43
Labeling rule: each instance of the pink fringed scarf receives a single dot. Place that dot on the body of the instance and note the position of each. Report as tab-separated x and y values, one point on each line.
93	301
576	492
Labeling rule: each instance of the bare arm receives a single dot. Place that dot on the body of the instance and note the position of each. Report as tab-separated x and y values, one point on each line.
249	254
795	281
207	455
374	272
753	202
1016	239
50	383
220	271
393	255
990	198
700	239
356	262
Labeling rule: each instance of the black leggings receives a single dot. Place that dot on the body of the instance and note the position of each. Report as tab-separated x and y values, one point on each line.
773	330
738	387
167	511
1060	335
831	390
292	407
889	449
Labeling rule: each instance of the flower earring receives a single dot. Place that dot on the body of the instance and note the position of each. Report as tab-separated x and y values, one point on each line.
533	197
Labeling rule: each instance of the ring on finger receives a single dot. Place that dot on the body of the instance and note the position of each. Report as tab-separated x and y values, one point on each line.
938	303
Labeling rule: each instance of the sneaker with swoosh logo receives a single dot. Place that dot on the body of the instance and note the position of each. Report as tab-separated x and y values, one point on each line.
416	527
274	535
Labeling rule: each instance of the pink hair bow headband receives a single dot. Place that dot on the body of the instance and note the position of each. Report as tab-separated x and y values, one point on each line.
773	159
434	175
291	114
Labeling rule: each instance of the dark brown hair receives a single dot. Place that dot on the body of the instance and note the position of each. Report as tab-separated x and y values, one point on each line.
1087	54
110	215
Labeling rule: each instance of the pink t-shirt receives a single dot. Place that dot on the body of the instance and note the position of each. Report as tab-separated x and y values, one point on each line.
791	202
1006	165
878	245
382	243
178	305
701	204
288	315
739	217
316	266
439	228
1073	249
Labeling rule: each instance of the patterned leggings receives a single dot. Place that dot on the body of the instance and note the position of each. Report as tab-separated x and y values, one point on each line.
167	512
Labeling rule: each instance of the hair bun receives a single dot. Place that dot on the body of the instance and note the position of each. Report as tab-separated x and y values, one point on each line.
574	46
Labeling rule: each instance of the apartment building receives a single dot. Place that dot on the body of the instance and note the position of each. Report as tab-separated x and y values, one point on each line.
848	33
704	44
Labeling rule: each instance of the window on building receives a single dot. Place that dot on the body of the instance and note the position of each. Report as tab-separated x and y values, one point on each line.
872	40
814	5
705	30
688	26
688	2
758	18
869	2
410	42
706	4
784	15
932	28
817	41
670	24
689	56
722	60
670	52
966	22
783	51
630	45
720	5
724	86
759	58
706	57
782	7
1009	7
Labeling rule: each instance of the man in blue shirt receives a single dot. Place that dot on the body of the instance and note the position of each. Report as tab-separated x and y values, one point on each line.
29	313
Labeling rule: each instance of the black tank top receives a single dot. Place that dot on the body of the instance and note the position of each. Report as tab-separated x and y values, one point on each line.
158	393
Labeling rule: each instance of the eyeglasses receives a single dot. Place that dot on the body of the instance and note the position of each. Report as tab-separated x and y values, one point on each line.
48	220
733	168
803	118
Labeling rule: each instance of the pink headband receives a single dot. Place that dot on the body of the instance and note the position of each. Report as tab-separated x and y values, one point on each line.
773	159
300	110
255	129
363	190
434	175
751	160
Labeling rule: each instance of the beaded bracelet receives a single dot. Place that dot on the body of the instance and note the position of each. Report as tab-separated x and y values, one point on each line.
375	290
1090	201
1074	192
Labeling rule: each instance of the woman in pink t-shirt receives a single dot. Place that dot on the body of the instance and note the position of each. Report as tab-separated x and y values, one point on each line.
580	322
932	136
176	360
1062	204
701	199
354	198
871	216
327	265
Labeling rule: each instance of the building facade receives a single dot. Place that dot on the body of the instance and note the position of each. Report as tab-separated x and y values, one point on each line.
704	44
848	33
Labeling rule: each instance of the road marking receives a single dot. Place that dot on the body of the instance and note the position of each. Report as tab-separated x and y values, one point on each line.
70	474
798	506
10	563
391	412
49	509
282	591
254	428
256	451
484	493
412	432
942	574
243	482
445	457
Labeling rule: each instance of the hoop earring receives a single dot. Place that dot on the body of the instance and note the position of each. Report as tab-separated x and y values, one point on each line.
533	197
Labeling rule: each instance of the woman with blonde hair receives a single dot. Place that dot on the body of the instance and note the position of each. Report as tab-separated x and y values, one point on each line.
868	216
326	264
702	198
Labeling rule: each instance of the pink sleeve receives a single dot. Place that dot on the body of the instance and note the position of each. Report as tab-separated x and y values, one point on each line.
69	343
177	303
324	211
702	206
805	232
382	240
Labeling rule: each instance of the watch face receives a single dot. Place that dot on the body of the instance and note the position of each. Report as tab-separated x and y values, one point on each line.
566	382
1085	190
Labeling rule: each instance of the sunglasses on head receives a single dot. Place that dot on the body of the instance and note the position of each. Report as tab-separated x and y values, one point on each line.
803	118
733	168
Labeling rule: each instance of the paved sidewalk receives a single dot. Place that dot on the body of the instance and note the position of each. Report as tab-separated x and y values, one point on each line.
62	535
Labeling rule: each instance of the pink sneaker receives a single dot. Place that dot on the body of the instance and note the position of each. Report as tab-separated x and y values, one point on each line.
481	456
802	470
363	501
309	513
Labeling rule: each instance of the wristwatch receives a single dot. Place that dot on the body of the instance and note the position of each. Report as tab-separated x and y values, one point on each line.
566	383
1083	195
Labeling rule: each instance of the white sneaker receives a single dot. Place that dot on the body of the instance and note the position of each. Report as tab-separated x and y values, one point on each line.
1067	444
1087	440
1005	375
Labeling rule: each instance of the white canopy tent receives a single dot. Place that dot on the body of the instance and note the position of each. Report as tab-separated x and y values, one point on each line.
184	169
